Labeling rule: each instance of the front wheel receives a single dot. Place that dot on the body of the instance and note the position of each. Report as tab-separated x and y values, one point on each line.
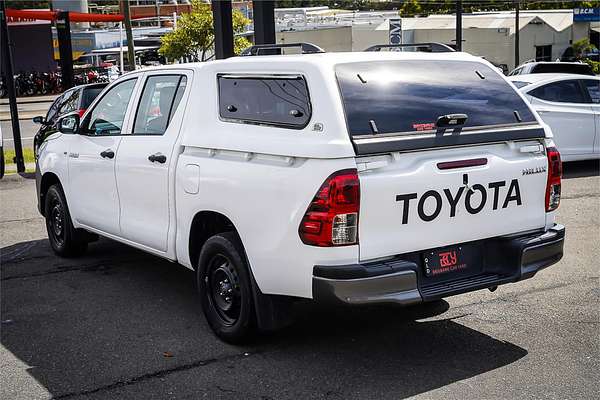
66	241
225	288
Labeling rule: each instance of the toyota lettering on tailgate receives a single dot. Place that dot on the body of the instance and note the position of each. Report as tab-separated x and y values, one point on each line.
466	193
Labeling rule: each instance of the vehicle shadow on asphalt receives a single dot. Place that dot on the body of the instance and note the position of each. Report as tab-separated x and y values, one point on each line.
581	169
118	318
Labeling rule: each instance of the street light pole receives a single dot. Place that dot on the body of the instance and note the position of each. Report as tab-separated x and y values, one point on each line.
516	33
10	85
459	25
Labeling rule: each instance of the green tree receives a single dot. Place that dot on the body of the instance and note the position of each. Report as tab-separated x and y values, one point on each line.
410	7
194	35
582	46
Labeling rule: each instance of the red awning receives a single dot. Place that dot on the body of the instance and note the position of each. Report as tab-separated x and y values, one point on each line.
52	15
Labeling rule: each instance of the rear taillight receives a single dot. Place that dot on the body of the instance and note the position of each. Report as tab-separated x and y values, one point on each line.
332	216
554	177
81	112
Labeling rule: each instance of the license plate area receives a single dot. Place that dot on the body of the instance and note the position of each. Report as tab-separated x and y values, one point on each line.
452	262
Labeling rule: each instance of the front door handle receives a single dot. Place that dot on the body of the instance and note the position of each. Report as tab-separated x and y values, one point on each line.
160	158
108	153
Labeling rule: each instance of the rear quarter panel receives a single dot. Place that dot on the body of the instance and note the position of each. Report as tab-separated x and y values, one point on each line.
265	197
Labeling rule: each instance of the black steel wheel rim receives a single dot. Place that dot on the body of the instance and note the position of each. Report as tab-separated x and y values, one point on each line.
56	219
223	289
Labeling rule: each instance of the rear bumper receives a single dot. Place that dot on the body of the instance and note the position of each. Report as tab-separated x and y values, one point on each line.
401	280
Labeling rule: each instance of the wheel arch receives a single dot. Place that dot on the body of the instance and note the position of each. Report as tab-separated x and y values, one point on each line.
204	225
48	179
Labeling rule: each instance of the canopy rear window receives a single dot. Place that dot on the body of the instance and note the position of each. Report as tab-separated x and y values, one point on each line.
410	96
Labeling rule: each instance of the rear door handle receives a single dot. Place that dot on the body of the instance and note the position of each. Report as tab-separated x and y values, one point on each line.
108	153
159	158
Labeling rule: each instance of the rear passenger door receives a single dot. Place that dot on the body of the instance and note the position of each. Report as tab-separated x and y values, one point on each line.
147	159
593	88
566	108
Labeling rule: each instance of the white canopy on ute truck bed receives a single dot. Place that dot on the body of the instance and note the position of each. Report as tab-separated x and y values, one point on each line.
326	134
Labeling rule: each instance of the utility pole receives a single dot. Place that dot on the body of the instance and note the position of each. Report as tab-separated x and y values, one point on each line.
264	22
516	33
65	49
129	34
6	57
223	25
459	25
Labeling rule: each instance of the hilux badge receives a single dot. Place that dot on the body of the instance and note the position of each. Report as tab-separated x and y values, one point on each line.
536	170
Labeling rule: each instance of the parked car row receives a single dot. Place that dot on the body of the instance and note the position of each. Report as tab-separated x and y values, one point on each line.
570	105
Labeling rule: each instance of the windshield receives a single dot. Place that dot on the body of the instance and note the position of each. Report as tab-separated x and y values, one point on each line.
410	96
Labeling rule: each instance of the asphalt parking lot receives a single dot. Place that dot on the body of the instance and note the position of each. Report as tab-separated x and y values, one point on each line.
119	323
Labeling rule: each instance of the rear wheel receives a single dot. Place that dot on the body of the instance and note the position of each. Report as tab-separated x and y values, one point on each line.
66	241
225	288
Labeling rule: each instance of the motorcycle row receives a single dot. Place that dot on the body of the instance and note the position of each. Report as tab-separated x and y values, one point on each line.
45	83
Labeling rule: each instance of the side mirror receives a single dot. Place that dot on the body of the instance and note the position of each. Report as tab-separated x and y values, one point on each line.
39	120
69	123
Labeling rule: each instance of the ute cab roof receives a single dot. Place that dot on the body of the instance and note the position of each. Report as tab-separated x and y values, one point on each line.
321	60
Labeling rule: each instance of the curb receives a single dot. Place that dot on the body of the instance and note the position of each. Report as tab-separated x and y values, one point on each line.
15	177
3	103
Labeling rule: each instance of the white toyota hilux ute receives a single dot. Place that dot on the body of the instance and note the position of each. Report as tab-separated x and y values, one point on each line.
356	178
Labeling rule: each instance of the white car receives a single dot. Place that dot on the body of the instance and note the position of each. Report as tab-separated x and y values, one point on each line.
570	105
357	178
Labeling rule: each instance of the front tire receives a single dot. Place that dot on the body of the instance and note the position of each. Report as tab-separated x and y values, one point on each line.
65	240
225	288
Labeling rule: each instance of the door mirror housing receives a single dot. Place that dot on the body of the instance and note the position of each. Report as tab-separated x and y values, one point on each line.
39	119
69	123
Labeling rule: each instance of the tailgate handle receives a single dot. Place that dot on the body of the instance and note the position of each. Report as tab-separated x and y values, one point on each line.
473	162
536	148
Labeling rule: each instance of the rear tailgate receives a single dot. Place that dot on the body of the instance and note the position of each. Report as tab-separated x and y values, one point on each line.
447	152
423	200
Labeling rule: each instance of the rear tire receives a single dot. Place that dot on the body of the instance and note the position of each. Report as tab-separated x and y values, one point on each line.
65	240
225	288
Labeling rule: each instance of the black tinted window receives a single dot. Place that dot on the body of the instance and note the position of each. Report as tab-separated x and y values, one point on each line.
70	102
408	96
89	94
593	88
583	69
273	100
53	110
562	92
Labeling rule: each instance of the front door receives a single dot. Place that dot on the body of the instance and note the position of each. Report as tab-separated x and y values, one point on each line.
147	157
92	156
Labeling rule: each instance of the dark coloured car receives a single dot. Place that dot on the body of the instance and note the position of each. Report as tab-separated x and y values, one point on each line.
77	99
543	67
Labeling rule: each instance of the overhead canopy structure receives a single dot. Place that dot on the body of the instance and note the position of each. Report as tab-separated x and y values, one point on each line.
49	15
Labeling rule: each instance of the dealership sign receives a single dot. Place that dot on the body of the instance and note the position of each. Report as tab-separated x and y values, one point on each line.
395	31
586	14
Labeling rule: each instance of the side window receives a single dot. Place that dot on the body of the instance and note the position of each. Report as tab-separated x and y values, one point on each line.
563	92
160	98
107	116
70	102
53	110
281	101
593	88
